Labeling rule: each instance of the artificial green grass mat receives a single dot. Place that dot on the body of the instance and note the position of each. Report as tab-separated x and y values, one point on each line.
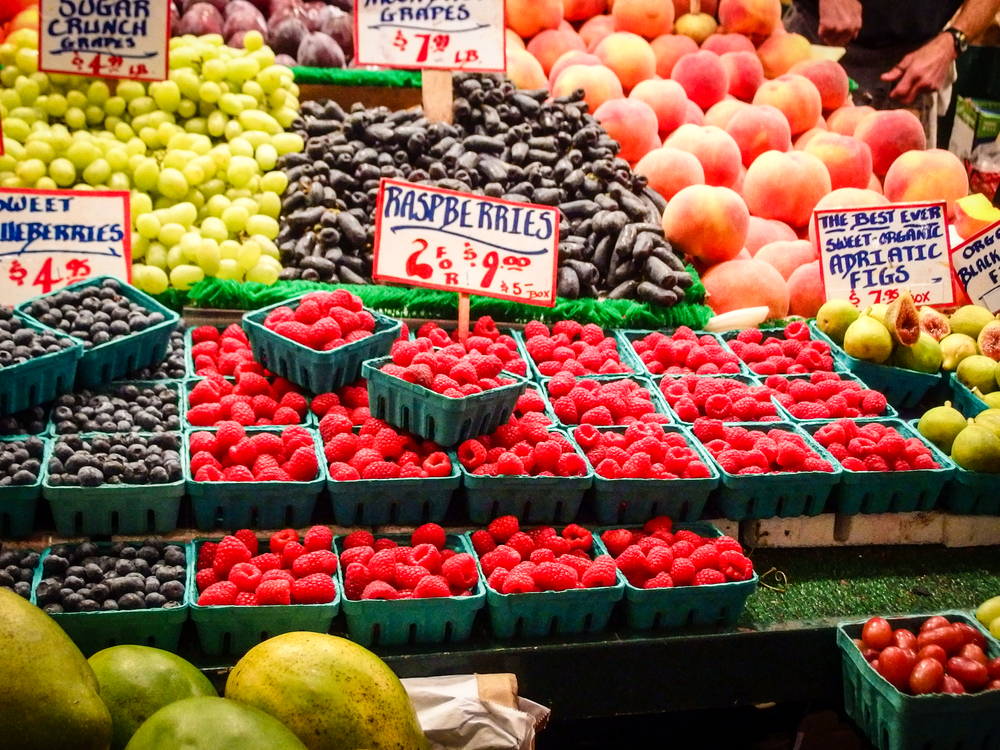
855	582
357	77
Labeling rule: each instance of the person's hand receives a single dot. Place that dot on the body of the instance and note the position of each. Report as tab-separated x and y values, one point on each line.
839	21
922	70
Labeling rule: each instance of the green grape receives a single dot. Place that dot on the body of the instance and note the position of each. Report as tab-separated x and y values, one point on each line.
129	90
111	122
269	79
209	257
187	108
170	234
212	188
147	225
248	255
214	229
150	137
264	225
286	116
140	203
82	153
263	273
217	122
241	170
56	105
274	182
146	175
213	70
139	246
46	183
228	249
175	257
115	106
267	247
184	277
234	194
229	269
232	130
253	40
117	158
267	156
235	218
94	114
287	143
183	213
7	51
240	147
135	146
230	104
255	138
13	148
162	203
200	144
8	163
8	76
177	158
119	181
193	173
242	69
15	129
166	94
142	105
30	171
27	90
97	172
75	118
210	92
155	280
26	60
253	89
217	204
156	255
248	203
197	125
11	182
98	92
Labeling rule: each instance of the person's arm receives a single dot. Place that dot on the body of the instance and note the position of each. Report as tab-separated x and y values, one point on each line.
925	69
839	21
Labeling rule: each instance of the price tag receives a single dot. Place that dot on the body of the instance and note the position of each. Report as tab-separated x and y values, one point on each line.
456	35
51	238
441	239
105	38
872	255
977	266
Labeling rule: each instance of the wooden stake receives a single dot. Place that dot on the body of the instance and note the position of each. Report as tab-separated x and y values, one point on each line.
437	94
463	316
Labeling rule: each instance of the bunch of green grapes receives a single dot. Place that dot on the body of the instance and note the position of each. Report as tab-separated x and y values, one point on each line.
197	151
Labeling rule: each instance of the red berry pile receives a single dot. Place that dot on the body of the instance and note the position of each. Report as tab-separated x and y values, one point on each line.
658	557
377	451
943	657
323	320
225	353
522	447
234	571
605	403
253	400
350	401
874	447
452	371
825	395
383	569
521	562
230	455
642	452
573	348
685	352
484	338
691	397
795	354
741	451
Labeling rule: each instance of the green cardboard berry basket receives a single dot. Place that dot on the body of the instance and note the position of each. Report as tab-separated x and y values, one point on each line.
114	359
532	499
434	416
890	491
107	389
964	399
635	501
253	505
115	508
684	606
309	420
316	371
655	397
626	356
888	413
781	414
96	631
903	388
628	336
896	721
541	613
17	503
41	379
785	494
231	630
446	619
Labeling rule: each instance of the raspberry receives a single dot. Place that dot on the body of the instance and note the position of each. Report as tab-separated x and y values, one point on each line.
554	576
431	586
228	553
314	589
616	541
708	577
460	571
503	528
275	591
249	540
218	594
602	572
571	465
380	470
705	556
735	566
320	561
429	533
682	571
303	465
205	578
510	465
483	542
379	590
356	579
873	403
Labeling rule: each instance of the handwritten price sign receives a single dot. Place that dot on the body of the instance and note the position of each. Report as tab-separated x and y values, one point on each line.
105	38
977	266
441	239
456	35
872	255
51	238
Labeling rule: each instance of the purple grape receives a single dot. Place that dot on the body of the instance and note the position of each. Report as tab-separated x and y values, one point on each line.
317	50
243	21
339	26
286	36
200	19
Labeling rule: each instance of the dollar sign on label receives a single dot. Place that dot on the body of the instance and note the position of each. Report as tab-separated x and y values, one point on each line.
17	273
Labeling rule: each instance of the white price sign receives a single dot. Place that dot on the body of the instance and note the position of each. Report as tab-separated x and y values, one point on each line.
872	255
51	238
453	35
441	239
105	38
977	266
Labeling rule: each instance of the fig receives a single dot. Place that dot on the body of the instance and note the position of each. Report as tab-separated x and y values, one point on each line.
902	321
200	19
866	338
988	340
934	323
977	371
941	425
834	317
878	312
990	419
970	320
977	449
923	356
317	50
286	36
954	348
992	400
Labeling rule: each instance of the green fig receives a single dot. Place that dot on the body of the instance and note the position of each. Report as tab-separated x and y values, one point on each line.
988	340
902	321
992	400
977	449
990	419
934	323
834	317
970	320
941	425
868	339
922	356
977	371
954	348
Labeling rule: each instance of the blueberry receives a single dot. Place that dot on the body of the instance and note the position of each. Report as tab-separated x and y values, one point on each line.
71	602
127	553
73	582
76	570
149	554
6	580
155	600
109	605
23	589
89	605
152	585
173	590
53	609
55	565
124	567
173	555
132	601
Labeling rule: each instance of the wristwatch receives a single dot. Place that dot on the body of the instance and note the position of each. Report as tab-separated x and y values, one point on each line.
960	39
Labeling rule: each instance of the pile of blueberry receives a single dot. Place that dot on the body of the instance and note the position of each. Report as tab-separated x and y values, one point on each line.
31	421
94	314
115	459
125	408
21	462
19	342
17	568
172	367
125	575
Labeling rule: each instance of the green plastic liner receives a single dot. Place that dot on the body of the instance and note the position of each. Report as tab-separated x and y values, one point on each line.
357	77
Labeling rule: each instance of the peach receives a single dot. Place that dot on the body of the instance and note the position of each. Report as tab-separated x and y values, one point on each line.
806	138
667	99
743	255
757	129
781	51
648	18
829	77
721	113
846	198
698	26
528	17
524	70
933	175
806	294
629	56
706	222
599	84
739	284
565	25
876	186
549	45
848	160
595	29
694	115
632	123
785	186
796	96
720	44
684	6
581	10
738	186
765	231
973	214
889	134
513	39
787	256
756	19
745	73
574	57
668	49
844	120
714	148
703	78
670	170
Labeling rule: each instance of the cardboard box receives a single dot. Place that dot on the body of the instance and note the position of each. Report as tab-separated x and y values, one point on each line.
976	121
